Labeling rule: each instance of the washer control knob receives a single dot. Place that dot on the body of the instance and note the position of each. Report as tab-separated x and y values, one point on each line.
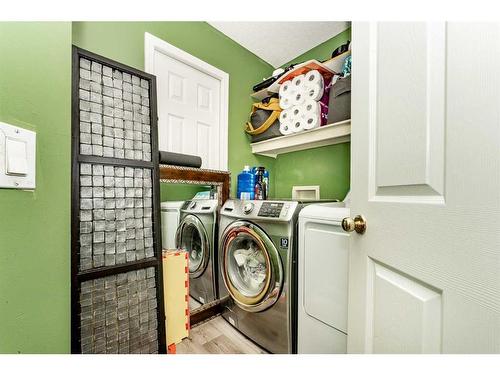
192	205
247	208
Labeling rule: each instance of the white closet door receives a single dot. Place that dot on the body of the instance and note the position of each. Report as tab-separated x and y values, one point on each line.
192	104
425	276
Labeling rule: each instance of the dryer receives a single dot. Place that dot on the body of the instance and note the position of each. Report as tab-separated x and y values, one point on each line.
256	254
197	234
323	265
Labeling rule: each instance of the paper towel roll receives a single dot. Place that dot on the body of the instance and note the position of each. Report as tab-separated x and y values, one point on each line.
298	125
298	82
286	128
313	77
315	92
312	121
286	116
311	107
299	97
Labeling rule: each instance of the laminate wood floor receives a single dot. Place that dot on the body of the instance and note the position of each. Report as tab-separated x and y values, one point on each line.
216	336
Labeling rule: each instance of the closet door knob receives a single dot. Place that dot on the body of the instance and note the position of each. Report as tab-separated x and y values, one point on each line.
358	224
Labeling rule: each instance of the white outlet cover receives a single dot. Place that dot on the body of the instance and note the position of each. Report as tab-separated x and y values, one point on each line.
27	181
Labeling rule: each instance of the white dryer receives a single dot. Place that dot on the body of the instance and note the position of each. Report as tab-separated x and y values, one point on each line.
323	264
170	217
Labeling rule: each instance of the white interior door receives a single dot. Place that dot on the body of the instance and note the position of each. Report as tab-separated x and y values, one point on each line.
425	276
192	103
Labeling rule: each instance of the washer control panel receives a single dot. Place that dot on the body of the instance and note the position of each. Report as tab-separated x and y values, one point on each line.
270	209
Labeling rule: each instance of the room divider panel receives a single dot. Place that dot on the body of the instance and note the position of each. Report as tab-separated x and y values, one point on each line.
116	274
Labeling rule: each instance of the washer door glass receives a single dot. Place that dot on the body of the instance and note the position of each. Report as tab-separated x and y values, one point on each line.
247	265
252	269
192	238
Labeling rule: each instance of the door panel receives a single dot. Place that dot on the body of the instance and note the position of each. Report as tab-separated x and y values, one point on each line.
408	130
189	104
414	309
425	173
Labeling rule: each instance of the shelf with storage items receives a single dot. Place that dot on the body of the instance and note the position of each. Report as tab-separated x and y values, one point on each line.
327	135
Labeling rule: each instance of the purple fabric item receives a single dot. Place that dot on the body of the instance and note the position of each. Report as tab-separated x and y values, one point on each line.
324	100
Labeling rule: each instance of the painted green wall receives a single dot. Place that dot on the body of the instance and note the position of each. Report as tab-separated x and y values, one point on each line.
35	89
124	41
328	167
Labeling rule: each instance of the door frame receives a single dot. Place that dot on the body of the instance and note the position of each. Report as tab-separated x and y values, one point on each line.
153	44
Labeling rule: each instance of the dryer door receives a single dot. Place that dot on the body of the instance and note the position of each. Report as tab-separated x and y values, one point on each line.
192	237
251	266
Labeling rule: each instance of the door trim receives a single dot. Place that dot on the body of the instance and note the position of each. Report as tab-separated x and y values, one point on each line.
153	43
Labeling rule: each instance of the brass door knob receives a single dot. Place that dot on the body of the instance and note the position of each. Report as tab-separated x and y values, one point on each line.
357	224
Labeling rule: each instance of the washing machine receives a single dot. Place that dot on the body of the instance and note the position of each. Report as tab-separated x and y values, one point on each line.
197	234
323	265
256	267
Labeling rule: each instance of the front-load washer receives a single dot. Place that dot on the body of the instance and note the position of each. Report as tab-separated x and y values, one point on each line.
197	234
256	255
323	265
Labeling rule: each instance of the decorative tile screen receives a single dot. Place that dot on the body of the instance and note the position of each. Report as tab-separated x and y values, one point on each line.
116	215
119	313
116	249
114	113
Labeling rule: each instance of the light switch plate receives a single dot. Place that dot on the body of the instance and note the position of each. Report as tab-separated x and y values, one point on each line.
26	178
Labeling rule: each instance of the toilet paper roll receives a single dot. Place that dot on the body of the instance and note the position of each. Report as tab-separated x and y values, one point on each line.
285	89
286	116
312	121
297	111
286	102
298	82
298	125
311	107
286	128
313	77
315	92
299	97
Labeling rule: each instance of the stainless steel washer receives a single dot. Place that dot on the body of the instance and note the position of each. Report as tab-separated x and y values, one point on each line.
197	234
256	255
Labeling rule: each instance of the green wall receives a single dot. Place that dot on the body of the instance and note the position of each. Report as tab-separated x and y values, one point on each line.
35	87
328	167
124	41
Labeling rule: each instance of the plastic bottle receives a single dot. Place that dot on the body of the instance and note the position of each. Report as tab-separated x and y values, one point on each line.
246	184
260	184
266	181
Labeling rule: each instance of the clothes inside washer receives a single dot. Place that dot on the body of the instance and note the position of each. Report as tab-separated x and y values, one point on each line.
252	270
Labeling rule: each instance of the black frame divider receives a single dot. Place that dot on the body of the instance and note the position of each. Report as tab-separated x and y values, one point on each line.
77	276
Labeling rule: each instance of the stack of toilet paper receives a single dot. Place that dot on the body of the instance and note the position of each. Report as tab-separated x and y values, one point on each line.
300	100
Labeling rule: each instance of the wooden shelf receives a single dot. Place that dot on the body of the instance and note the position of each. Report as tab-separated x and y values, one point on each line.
337	62
331	134
261	94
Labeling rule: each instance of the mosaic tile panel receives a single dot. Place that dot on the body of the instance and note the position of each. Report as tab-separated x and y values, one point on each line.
119	313
116	215
114	109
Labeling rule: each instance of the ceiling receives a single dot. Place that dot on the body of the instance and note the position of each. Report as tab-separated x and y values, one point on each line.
279	42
